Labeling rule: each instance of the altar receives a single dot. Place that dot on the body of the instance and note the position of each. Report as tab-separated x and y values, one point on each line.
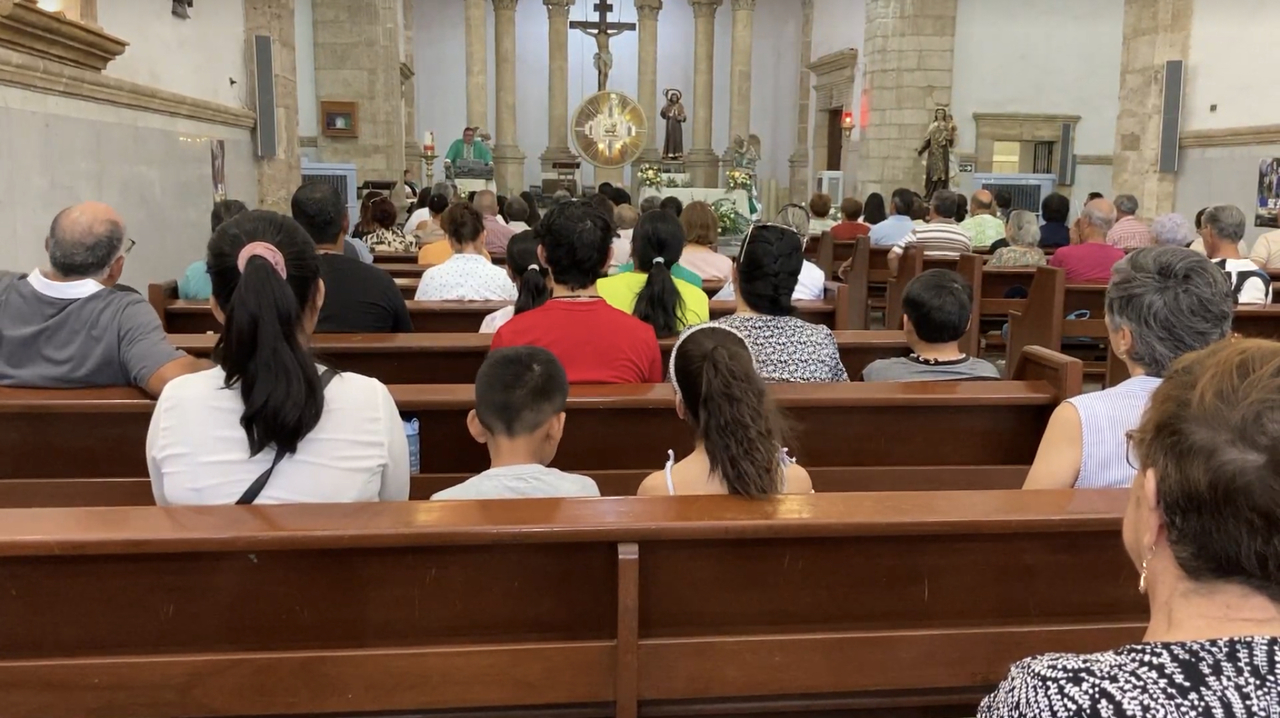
710	195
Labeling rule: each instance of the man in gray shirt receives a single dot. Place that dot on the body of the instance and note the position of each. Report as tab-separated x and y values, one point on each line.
65	327
937	305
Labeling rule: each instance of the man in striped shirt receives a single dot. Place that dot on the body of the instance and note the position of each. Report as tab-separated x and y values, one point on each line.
942	235
1129	231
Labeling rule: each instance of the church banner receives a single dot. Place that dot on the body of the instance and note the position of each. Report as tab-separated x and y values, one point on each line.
1268	194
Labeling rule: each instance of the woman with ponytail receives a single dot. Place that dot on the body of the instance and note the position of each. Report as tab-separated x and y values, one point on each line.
267	424
786	348
739	434
526	270
650	292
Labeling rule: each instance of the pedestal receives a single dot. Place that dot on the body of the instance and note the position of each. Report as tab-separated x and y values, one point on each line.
612	175
508	169
704	166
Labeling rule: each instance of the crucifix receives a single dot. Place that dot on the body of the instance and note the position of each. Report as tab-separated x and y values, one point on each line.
602	30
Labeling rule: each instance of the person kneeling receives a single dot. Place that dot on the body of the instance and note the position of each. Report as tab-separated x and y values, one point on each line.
519	416
938	306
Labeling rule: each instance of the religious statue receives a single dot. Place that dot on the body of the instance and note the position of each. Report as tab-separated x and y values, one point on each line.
673	113
602	31
939	142
746	156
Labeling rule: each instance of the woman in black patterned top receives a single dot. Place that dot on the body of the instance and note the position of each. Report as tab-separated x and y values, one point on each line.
785	348
1203	528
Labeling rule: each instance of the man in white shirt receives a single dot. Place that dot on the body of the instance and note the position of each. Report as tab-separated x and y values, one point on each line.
941	236
1223	227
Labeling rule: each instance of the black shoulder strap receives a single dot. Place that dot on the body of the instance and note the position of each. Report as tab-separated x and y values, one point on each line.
251	494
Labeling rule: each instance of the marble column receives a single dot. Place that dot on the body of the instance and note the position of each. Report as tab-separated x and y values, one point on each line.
647	84
701	161
1155	31
508	160
740	74
278	176
557	86
910	50
798	188
477	66
412	140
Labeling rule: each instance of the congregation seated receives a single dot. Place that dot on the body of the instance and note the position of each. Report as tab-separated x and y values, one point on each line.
1004	203
1173	230
519	417
1266	251
63	327
531	203
1022	236
651	291
1224	227
595	343
419	213
530	277
785	348
1200	530
1128	232
674	206
1162	303
820	214
920	210
194	282
430	236
516	212
962	210
625	218
386	236
937	308
651	203
873	210
1090	261
624	214
496	233
1055	208
983	225
467	275
898	224
941	236
267	424
359	298
812	282
702	236
851	225
739	433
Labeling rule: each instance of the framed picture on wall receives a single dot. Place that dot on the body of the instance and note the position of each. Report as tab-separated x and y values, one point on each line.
340	119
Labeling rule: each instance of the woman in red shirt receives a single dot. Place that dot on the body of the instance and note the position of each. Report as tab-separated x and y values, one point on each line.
596	343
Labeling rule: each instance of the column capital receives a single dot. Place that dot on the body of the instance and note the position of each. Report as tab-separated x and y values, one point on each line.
705	8
558	9
504	5
744	5
648	9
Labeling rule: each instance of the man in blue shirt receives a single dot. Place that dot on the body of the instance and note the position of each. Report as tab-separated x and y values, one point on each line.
896	226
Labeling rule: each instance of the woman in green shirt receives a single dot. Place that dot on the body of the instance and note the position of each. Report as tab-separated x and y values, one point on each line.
649	292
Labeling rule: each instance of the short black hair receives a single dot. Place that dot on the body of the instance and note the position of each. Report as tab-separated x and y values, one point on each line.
672	205
319	208
223	211
576	237
1094	195
437	204
902	200
518	389
620	196
606	189
938	302
1004	199
944	202
1055	207
1200	219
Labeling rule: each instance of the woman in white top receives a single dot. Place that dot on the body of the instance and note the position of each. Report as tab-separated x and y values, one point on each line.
530	277
739	432
267	424
468	275
1162	303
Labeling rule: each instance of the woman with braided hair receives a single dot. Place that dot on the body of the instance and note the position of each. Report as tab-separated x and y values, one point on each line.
786	348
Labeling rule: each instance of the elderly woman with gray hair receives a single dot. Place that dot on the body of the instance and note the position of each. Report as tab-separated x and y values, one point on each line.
1162	302
1173	230
1023	233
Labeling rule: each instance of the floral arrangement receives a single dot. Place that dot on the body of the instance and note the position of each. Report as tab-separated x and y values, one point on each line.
738	179
651	176
732	222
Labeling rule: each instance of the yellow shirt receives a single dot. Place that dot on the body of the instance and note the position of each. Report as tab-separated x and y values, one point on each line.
438	252
621	291
1266	251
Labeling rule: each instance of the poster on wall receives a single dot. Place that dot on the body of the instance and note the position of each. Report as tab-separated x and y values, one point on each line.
217	155
1268	193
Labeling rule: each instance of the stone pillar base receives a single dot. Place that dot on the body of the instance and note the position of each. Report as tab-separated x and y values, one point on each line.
799	189
612	175
556	154
508	169
703	167
649	156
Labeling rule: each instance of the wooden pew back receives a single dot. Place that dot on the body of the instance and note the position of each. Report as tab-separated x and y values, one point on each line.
1044	323
913	263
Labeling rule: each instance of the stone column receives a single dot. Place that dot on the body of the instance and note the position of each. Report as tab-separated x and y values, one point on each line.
909	59
1154	31
508	160
278	176
558	84
412	140
740	74
477	66
647	85
798	189
701	161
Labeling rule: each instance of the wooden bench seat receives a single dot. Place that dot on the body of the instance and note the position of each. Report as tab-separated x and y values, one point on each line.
1043	321
851	605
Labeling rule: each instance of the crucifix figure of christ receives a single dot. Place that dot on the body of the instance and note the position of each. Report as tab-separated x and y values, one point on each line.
602	30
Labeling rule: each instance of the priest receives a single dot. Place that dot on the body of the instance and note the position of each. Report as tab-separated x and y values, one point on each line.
468	148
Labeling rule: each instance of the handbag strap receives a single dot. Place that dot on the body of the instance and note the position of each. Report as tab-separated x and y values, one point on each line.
251	494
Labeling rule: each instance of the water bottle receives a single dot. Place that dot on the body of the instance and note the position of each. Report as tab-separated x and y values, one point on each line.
415	445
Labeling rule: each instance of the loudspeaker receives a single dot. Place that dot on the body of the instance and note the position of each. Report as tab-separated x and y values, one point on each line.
1171	116
264	72
1067	155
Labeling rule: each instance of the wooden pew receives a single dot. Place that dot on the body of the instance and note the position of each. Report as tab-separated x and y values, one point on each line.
1254	322
851	605
912	263
391	258
1043	322
405	271
437	358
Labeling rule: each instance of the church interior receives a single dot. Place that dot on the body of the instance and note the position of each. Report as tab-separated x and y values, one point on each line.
936	551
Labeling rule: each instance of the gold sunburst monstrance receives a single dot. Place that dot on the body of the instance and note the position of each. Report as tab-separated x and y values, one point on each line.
609	129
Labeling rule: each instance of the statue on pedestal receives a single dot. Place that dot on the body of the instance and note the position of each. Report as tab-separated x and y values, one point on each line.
746	156
673	113
939	142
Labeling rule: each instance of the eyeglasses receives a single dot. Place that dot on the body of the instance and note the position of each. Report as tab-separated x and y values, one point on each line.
742	249
1129	455
129	244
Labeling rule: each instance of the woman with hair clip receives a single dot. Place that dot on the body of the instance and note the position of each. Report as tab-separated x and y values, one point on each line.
467	275
526	270
268	425
650	292
366	225
812	282
739	433
786	348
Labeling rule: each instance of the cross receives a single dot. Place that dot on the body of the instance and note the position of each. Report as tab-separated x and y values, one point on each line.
601	30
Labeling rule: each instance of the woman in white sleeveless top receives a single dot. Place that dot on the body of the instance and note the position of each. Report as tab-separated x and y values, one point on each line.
1162	302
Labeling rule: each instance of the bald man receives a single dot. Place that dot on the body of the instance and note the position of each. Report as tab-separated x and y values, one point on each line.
1090	259
983	225
64	327
496	232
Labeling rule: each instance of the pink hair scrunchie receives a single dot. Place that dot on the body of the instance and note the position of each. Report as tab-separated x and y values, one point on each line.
267	252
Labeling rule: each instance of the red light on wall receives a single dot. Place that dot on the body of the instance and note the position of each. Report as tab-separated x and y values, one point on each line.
846	120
